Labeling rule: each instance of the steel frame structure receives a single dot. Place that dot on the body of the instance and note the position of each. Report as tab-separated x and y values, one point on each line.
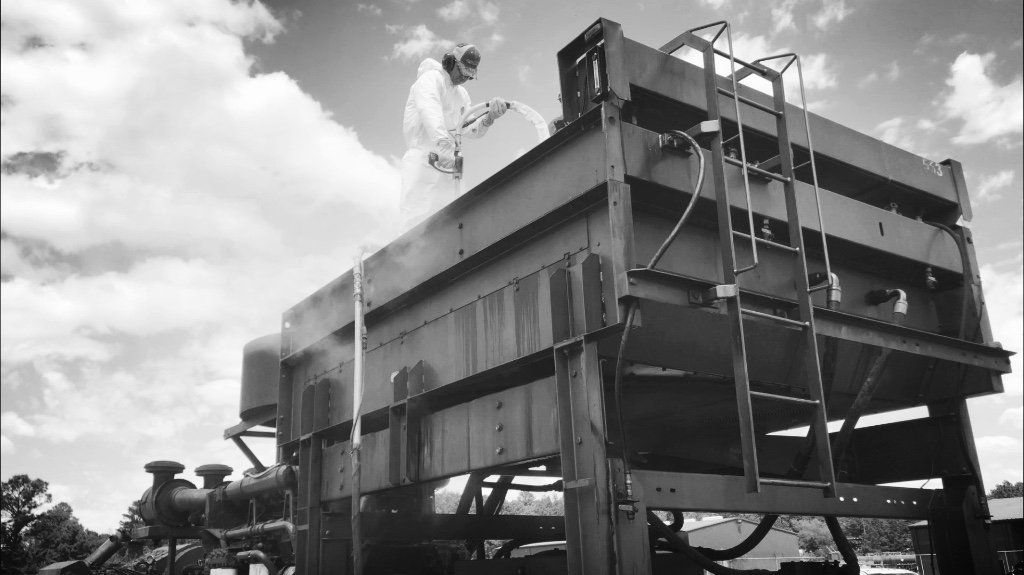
490	339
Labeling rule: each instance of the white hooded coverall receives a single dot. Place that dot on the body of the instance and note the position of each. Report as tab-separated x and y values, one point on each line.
432	115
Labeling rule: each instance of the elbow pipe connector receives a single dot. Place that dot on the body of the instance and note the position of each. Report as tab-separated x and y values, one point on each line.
834	294
899	307
257	556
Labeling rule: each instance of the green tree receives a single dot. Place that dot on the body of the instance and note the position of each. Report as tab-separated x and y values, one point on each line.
57	535
22	497
1007	489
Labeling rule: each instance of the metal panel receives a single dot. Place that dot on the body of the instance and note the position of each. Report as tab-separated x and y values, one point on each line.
669	76
452	238
705	492
845	218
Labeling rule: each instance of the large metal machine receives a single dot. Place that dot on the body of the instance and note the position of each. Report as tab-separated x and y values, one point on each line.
636	308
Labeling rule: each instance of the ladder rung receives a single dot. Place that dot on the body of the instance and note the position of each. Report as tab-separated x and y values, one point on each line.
788	398
796	483
758	171
750	102
767	242
758	69
785	320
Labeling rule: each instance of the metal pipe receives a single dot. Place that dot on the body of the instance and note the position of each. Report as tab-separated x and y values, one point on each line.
260	556
359	346
105	551
268	528
273	480
185	499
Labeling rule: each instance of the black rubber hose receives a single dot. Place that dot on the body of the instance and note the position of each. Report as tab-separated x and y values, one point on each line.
623	439
678	544
846	550
631	313
966	300
689	207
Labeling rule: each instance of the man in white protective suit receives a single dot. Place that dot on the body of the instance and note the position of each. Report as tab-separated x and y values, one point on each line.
433	111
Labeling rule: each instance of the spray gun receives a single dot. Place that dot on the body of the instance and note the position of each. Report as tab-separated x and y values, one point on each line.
473	114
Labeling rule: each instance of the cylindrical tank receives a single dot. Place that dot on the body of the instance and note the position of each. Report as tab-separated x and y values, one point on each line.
261	370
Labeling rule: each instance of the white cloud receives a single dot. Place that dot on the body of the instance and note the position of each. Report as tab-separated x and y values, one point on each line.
1013	417
998	444
12	424
989	186
715	4
893	131
867	80
371	9
782	16
1003	284
989	111
892	73
454	11
523	72
418	41
832	12
188	199
489	12
460	10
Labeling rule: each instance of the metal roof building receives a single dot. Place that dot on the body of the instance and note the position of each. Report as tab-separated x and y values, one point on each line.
723	532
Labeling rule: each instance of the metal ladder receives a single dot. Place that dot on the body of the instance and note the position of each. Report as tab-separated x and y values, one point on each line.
729	291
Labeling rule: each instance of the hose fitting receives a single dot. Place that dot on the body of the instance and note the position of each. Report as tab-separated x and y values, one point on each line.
899	307
834	295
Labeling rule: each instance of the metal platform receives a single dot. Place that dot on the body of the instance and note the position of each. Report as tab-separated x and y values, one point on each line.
491	340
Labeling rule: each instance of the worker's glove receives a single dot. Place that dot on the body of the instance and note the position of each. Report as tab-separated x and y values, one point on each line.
445	160
445	148
495	109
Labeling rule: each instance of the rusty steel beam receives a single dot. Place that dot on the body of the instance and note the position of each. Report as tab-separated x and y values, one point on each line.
706	492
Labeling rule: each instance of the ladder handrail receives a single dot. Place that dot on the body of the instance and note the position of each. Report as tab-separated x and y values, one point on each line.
794	57
713	77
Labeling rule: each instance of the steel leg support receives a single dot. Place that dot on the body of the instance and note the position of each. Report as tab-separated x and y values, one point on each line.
581	427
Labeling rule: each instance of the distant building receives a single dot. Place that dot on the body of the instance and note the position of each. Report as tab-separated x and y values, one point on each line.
1007	533
724	532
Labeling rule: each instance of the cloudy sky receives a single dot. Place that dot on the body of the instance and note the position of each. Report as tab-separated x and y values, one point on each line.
176	173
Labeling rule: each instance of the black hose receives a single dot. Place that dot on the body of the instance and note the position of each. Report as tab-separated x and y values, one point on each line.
966	299
678	544
689	207
623	440
631	313
846	550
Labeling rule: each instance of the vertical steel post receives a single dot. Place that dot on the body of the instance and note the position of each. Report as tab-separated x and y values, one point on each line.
580	402
172	554
964	544
358	347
